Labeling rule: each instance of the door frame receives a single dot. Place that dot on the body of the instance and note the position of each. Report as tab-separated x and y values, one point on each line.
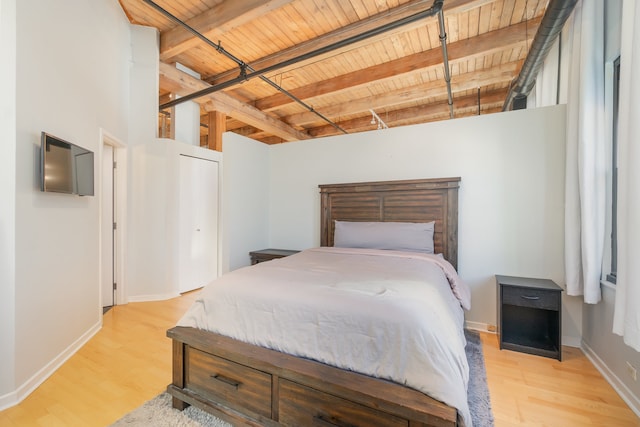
120	189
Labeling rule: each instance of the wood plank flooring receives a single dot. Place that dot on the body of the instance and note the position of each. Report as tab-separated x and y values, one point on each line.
125	364
529	390
129	362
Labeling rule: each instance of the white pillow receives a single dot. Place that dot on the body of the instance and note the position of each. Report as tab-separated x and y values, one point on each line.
399	236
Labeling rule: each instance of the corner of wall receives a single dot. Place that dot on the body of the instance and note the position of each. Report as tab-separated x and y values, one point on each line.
629	397
8	196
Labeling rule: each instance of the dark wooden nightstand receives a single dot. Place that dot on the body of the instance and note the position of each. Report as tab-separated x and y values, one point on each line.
269	254
530	316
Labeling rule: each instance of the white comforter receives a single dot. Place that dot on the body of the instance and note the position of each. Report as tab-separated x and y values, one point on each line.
388	314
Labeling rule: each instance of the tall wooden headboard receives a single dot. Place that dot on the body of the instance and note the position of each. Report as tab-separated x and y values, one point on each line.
418	200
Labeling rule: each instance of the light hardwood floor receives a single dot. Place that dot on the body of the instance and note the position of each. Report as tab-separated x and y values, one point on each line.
129	362
529	390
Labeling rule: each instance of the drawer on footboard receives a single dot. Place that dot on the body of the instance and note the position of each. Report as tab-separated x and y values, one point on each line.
234	385
304	406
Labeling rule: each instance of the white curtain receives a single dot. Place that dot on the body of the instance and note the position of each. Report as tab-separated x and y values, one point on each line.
586	155
626	319
546	89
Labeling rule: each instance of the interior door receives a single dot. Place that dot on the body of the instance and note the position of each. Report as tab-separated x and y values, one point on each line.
198	223
108	231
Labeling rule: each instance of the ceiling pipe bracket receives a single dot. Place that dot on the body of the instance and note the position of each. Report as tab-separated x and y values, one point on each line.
243	71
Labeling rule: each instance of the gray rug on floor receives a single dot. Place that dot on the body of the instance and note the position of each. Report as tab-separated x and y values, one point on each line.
478	391
159	413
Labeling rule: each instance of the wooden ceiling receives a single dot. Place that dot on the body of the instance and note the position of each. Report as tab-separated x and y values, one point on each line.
398	74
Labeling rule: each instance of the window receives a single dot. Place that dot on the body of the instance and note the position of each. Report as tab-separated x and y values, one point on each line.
611	277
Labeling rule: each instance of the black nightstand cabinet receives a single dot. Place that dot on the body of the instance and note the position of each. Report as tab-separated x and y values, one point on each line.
530	316
269	254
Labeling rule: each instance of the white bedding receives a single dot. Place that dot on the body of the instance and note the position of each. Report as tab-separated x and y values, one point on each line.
387	314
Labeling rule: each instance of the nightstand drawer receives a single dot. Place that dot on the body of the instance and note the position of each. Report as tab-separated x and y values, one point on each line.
534	298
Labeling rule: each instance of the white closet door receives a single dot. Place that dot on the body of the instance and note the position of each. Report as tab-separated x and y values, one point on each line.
198	219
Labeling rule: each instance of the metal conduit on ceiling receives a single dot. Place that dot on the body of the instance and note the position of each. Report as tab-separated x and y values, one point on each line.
557	13
445	59
435	9
243	67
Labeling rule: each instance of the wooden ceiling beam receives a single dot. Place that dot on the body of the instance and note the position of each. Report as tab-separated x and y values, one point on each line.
183	84
261	136
408	9
245	131
461	82
401	117
213	23
231	124
468	112
363	124
415	114
165	98
464	50
272	140
216	126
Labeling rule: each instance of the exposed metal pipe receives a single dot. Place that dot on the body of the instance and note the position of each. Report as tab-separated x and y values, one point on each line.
243	66
552	22
433	10
445	58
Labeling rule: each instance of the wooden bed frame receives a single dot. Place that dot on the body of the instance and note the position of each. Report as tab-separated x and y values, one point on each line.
250	385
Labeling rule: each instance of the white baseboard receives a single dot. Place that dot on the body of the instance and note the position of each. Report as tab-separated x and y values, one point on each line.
148	298
8	400
17	396
572	341
620	388
481	327
485	327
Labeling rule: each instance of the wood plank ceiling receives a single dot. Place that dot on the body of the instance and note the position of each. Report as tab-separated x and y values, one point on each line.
398	74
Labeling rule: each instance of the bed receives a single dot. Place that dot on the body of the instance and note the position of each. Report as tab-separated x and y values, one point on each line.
251	384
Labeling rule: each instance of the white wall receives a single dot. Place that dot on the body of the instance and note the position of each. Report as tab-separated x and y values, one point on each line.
7	195
186	116
143	99
145	84
72	79
511	218
80	71
153	172
245	199
608	351
152	262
